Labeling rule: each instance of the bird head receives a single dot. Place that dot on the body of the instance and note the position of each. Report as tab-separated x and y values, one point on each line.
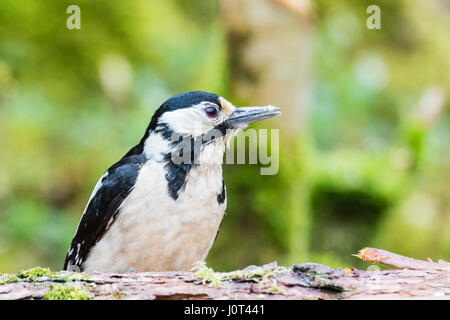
200	122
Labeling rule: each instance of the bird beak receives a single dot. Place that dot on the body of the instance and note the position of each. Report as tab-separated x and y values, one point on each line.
243	115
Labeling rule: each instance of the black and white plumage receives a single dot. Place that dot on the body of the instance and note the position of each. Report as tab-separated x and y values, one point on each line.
150	212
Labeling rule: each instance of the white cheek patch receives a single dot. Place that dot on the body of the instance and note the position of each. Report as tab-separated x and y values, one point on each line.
193	121
187	121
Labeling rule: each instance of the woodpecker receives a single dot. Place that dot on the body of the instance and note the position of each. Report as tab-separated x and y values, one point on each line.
159	208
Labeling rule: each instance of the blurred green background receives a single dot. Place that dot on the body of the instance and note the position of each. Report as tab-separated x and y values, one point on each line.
364	135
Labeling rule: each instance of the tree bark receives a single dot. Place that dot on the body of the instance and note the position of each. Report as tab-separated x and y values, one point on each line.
416	280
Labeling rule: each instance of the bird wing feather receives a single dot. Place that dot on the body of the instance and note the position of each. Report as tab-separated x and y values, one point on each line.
103	208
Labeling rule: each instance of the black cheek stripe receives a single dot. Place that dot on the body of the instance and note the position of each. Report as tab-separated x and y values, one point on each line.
221	196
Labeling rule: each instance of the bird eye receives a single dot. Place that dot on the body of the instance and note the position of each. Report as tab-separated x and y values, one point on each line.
211	111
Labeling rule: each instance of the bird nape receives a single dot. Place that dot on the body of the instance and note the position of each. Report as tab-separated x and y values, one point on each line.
159	207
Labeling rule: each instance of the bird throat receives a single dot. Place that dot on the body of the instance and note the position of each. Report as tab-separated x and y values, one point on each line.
206	163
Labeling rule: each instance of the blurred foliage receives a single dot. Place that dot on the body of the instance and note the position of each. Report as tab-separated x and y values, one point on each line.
371	169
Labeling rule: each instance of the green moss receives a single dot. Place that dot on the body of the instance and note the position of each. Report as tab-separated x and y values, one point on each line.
35	274
8	278
206	274
255	274
67	292
117	295
262	276
40	274
275	289
57	291
75	276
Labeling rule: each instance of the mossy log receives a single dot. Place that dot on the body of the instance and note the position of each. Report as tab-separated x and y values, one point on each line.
416	279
